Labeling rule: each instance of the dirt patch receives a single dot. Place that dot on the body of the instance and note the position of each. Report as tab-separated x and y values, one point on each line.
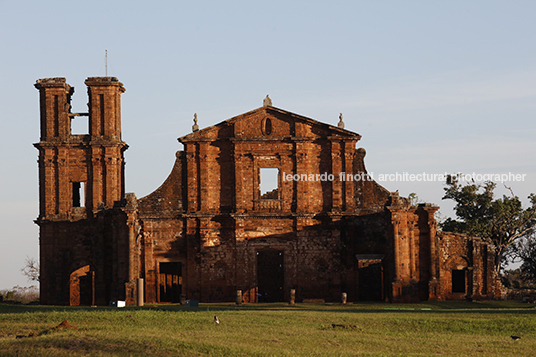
64	325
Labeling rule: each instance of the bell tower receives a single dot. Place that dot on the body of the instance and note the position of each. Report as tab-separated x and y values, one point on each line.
80	174
106	169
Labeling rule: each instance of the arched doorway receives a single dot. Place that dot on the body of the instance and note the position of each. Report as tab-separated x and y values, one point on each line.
81	287
460	282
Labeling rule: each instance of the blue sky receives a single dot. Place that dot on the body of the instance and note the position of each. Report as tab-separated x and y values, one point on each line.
432	86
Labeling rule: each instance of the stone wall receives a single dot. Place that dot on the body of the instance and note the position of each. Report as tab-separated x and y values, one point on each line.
469	261
324	228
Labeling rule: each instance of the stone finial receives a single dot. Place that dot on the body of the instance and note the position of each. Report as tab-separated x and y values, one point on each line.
195	127
341	123
267	102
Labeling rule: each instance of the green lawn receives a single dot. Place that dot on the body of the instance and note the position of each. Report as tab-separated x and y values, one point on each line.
427	329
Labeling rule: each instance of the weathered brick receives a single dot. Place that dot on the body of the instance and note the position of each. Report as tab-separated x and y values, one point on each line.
209	231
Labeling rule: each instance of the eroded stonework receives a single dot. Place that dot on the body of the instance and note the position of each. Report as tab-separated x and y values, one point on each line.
324	228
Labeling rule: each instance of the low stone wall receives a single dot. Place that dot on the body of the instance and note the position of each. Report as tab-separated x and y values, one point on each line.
525	295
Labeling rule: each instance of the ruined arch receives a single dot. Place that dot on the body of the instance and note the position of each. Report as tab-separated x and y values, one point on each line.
82	287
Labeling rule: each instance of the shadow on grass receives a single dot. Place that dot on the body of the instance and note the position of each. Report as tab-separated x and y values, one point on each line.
492	307
72	343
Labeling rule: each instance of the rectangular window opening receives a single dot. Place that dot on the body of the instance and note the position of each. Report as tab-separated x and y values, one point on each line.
78	194
79	125
269	183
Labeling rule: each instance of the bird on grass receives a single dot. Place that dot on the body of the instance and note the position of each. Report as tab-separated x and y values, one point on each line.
216	320
515	338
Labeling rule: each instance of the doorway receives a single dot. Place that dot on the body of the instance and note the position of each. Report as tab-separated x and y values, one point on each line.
458	281
270	275
370	277
170	281
81	287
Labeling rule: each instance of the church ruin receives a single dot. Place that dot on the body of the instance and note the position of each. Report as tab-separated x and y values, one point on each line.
323	228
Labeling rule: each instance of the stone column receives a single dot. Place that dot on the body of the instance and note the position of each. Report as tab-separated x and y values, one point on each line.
239	297
140	289
191	177
302	186
349	153
433	285
203	177
336	169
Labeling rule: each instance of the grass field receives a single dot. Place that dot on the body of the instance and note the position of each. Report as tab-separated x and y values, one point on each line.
426	329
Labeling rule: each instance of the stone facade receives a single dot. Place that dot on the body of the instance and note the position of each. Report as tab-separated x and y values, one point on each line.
322	228
464	264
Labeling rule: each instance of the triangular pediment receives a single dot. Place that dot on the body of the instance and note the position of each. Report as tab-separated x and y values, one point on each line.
269	122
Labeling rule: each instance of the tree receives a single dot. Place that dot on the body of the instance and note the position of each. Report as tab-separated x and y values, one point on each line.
31	269
526	251
504	221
